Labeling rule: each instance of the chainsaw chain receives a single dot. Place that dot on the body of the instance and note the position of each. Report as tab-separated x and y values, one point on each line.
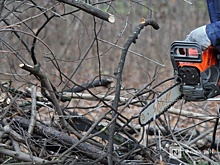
171	104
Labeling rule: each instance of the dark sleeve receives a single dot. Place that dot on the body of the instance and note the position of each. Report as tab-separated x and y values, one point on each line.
213	32
213	29
214	10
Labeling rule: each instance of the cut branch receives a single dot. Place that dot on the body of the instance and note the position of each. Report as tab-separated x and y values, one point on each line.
90	9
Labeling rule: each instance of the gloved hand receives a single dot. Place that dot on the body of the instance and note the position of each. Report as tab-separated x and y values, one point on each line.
199	35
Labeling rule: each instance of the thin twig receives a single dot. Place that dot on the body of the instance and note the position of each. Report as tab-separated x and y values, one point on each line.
130	51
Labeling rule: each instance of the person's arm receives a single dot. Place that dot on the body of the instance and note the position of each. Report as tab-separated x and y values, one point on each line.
213	33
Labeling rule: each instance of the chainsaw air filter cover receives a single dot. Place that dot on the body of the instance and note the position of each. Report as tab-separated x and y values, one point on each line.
189	75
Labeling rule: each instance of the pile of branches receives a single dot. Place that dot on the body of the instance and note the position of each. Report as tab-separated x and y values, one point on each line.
39	124
29	136
26	137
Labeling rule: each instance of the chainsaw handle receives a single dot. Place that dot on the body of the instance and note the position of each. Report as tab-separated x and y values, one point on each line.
192	52
182	51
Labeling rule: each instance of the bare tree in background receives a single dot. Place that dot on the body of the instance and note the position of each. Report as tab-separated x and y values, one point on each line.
75	74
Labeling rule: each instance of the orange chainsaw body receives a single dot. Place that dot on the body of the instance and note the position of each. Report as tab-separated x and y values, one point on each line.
208	59
197	71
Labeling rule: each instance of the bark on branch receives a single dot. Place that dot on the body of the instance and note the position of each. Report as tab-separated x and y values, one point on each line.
90	9
90	84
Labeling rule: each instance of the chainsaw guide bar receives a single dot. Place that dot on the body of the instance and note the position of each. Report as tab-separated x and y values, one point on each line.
160	105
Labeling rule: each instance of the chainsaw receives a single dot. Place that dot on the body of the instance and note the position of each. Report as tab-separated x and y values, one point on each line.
196	78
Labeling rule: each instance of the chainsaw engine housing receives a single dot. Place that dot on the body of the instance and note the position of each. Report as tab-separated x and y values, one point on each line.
197	71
